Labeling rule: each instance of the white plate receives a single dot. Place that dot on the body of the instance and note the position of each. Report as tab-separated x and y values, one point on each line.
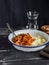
29	48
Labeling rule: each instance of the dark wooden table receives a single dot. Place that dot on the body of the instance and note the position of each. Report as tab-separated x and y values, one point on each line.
11	56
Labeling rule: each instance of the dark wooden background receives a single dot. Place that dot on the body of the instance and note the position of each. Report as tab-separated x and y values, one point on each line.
14	12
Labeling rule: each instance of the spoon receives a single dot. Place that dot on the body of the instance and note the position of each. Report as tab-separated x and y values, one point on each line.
10	29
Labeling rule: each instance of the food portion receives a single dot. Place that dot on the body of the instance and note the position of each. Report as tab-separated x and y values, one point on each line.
45	28
28	40
23	39
39	40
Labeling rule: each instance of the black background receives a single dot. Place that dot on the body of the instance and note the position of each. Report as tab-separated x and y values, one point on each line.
14	12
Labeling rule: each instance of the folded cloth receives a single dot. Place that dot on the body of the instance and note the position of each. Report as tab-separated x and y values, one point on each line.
45	52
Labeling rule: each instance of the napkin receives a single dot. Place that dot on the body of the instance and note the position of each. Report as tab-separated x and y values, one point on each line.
45	52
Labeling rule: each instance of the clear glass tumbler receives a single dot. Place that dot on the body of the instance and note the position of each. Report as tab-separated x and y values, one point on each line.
32	19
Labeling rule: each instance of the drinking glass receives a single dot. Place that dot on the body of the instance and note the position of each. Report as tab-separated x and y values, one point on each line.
32	19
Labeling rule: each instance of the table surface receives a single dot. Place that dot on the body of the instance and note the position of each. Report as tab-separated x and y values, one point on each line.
11	56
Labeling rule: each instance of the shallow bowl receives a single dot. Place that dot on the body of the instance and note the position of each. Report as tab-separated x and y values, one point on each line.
31	32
